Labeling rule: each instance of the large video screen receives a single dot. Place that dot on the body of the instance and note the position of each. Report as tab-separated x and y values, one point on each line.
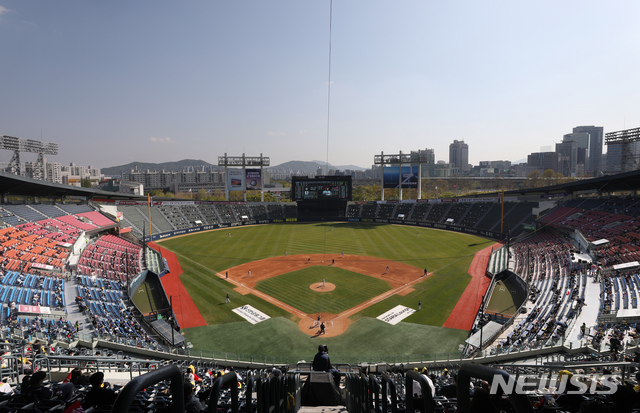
321	188
409	178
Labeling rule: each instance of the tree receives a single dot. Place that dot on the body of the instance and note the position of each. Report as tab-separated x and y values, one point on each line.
202	194
218	195
86	182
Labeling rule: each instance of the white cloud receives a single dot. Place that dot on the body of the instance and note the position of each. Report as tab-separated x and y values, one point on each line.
275	133
161	140
3	10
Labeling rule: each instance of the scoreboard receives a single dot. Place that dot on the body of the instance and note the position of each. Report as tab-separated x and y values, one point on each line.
321	188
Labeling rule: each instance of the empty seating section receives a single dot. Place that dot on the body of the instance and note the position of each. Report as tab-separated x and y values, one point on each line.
192	215
75	222
226	213
110	257
290	210
51	211
420	211
158	219
26	212
437	212
560	215
275	211
32	289
404	209
10	218
96	218
353	210
75	209
457	212
210	215
475	213
480	215
175	216
490	217
260	212
242	211
29	245
611	219
515	214
369	211
385	211
170	217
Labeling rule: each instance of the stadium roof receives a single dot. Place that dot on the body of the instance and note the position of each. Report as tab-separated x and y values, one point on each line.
11	184
627	181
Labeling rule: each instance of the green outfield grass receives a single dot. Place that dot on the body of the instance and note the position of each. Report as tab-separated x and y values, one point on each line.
351	289
446	254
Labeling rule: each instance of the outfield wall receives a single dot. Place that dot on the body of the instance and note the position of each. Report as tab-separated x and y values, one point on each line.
169	234
446	227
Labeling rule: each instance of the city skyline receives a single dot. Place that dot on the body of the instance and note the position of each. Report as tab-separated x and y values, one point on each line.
148	81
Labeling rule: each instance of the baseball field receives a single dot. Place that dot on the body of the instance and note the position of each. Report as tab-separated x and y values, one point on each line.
346	273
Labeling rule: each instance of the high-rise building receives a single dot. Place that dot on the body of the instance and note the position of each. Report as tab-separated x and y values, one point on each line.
613	165
459	157
596	140
567	157
543	161
427	157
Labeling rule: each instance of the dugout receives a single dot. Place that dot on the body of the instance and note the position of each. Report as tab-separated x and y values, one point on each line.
150	299
510	295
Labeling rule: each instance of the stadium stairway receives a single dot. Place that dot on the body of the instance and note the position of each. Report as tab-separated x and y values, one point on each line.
73	311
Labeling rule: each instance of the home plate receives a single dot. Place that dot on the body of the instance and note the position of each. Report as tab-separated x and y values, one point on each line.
396	314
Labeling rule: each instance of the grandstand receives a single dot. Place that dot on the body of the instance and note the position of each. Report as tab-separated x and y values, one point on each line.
68	270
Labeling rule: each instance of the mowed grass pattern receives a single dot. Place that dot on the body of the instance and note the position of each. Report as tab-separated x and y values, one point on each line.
297	289
445	254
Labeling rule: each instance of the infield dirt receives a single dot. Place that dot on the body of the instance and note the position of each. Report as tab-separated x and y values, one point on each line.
400	276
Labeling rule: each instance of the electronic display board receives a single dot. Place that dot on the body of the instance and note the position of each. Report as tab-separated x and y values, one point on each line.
321	188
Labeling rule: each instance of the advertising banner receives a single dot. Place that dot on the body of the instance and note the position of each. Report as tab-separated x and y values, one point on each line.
235	180
253	179
396	314
409	177
252	315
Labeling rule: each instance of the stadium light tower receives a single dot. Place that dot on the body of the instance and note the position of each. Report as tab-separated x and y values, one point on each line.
624	138
405	179
17	145
247	178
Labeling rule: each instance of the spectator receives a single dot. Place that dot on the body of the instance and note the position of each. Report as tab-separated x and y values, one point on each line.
100	394
191	403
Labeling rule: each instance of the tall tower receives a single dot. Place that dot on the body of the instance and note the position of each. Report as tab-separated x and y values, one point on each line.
596	140
459	157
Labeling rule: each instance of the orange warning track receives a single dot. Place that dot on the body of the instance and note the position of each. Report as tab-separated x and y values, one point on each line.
464	313
184	308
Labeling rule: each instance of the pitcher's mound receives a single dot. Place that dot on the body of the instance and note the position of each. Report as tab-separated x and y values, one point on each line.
322	288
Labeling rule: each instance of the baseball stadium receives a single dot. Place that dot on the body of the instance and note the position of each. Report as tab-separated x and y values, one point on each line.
537	281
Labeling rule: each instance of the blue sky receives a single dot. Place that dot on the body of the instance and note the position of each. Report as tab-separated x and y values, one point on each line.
153	81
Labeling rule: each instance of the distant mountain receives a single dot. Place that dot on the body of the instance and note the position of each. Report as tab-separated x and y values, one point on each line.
167	166
306	167
311	167
342	167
